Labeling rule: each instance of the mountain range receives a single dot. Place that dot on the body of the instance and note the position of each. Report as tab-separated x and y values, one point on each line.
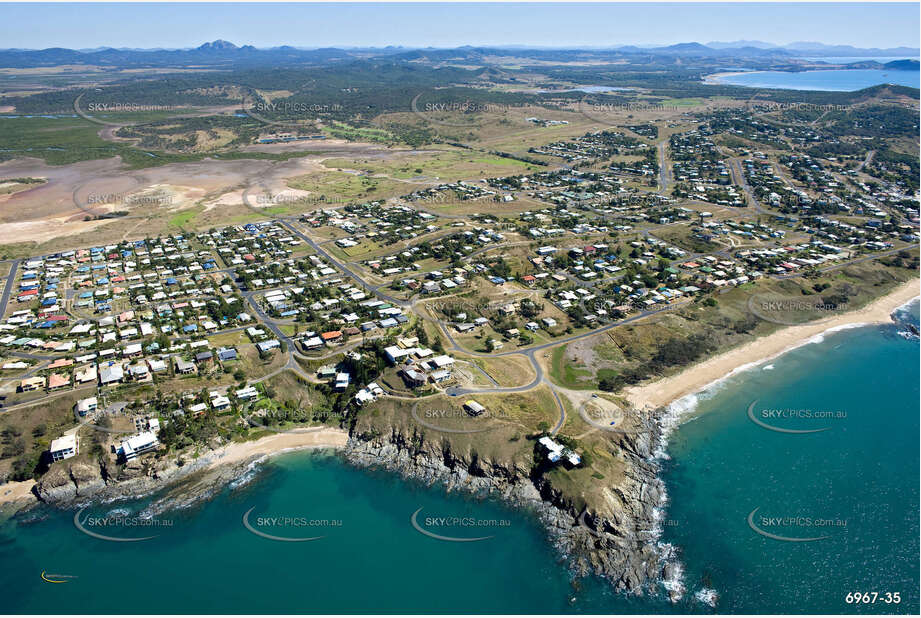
220	53
813	48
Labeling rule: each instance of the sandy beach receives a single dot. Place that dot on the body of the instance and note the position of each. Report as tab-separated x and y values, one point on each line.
716	78
320	437
663	392
17	491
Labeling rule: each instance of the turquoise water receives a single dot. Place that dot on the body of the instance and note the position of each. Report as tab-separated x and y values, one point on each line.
864	469
375	562
833	80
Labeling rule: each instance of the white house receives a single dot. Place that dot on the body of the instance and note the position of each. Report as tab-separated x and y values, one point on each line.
64	447
85	406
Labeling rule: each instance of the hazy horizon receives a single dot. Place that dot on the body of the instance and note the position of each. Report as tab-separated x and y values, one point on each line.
450	25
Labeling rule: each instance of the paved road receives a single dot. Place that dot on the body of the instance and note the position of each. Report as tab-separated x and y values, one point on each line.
342	267
866	160
8	288
665	174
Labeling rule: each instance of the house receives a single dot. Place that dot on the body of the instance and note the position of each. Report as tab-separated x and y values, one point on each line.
331	336
313	343
326	372
440	376
86	374
342	381
557	452
268	346
32	384
220	403
85	406
64	447
143	442
226	354
111	374
413	378
441	361
363	396
183	367
245	394
139	371
58	380
203	357
395	354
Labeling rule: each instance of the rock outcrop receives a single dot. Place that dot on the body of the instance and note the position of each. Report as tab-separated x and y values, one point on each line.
621	547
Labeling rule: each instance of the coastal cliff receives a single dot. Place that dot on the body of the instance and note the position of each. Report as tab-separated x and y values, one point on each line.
78	481
617	540
612	534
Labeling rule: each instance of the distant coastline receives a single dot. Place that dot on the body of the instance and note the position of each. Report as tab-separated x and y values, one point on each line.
716	79
822	79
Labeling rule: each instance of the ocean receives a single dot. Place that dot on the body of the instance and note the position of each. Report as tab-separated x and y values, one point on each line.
845	80
378	549
855	481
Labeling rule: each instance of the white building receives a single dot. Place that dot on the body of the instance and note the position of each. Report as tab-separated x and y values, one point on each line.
64	447
85	406
143	442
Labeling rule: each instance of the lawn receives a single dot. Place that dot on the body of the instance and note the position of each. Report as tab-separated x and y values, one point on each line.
566	372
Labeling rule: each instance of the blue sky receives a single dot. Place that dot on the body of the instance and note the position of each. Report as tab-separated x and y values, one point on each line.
448	25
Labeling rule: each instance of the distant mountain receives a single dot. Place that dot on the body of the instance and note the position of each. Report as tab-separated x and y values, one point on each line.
216	54
218	45
705	51
903	65
737	44
813	49
225	54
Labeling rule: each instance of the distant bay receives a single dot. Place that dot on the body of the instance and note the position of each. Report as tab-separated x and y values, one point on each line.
833	80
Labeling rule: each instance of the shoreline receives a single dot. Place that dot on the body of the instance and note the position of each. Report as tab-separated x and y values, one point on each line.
715	79
665	391
277	444
218	463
